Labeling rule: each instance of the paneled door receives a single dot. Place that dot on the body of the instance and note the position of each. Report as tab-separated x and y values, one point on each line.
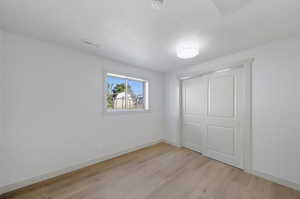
211	115
193	113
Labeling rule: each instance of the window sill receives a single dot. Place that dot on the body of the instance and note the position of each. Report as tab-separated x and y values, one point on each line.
121	112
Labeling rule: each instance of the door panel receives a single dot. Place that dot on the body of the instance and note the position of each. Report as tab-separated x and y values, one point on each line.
192	96
221	96
192	137
221	139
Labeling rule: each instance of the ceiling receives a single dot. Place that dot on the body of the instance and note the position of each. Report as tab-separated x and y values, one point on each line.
134	33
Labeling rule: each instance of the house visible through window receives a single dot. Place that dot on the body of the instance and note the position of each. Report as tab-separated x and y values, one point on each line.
126	93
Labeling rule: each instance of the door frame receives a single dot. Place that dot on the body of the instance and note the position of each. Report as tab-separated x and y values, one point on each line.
246	121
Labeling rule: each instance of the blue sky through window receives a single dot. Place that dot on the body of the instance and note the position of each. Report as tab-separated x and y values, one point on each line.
136	86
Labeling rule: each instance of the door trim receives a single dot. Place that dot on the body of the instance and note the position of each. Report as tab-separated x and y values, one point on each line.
246	121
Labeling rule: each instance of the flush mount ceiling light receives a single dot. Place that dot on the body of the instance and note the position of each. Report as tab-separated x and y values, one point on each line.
188	50
157	4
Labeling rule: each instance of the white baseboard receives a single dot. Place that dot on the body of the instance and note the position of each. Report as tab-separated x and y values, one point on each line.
171	143
50	175
277	180
40	178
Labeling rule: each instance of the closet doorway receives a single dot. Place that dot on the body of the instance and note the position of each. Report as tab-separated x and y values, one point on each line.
216	114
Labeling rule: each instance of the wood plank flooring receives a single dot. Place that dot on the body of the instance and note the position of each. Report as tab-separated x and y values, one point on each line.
158	172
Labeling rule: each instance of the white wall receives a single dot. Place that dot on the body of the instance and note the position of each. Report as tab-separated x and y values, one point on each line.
2	142
275	101
53	99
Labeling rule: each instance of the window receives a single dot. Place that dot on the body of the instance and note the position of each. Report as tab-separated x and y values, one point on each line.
126	93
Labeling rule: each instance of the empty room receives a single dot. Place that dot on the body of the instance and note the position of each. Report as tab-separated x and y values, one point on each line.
149	99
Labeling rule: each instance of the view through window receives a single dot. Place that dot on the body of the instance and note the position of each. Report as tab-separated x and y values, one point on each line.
126	93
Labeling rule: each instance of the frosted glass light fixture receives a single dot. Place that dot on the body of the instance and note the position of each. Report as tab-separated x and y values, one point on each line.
188	50
157	4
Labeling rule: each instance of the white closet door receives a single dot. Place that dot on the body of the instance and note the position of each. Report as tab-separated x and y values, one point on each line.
211	116
193	113
223	138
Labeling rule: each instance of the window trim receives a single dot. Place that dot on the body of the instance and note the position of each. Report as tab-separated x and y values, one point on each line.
126	77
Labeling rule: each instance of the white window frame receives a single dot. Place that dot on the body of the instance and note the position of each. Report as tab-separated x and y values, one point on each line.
126	78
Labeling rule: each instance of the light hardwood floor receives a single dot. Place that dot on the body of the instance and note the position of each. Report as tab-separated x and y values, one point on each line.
158	172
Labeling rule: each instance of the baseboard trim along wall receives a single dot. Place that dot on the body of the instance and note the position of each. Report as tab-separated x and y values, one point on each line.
277	180
50	175
172	143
